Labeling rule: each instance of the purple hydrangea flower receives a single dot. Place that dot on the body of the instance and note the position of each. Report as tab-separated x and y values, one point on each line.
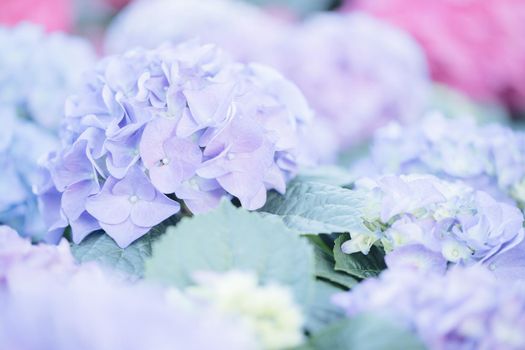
365	72
36	72
245	31
440	221
467	308
488	157
48	302
184	122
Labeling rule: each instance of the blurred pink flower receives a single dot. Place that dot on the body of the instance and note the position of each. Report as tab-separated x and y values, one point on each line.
51	14
474	45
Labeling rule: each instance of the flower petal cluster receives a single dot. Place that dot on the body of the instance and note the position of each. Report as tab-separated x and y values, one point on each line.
441	221
467	308
269	311
36	72
489	157
176	121
66	306
365	72
473	45
232	25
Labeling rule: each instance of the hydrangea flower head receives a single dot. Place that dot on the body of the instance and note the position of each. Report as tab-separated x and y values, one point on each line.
489	157
467	308
473	45
176	121
267	310
443	222
364	74
245	31
36	72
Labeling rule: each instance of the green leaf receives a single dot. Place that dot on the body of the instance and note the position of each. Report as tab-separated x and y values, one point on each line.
311	207
99	247
325	265
358	264
364	332
230	238
322	311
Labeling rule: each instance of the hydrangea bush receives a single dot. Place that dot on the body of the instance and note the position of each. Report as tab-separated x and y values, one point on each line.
37	71
175	122
489	157
465	309
428	222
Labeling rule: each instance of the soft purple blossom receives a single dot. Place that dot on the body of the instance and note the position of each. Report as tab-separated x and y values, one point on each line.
37	70
49	302
91	313
489	157
467	308
425	222
18	258
184	122
357	72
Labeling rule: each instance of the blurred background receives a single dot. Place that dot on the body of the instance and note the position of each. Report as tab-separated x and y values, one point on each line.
474	47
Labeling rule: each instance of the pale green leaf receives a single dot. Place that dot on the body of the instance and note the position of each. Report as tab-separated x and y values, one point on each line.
100	248
231	238
311	207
